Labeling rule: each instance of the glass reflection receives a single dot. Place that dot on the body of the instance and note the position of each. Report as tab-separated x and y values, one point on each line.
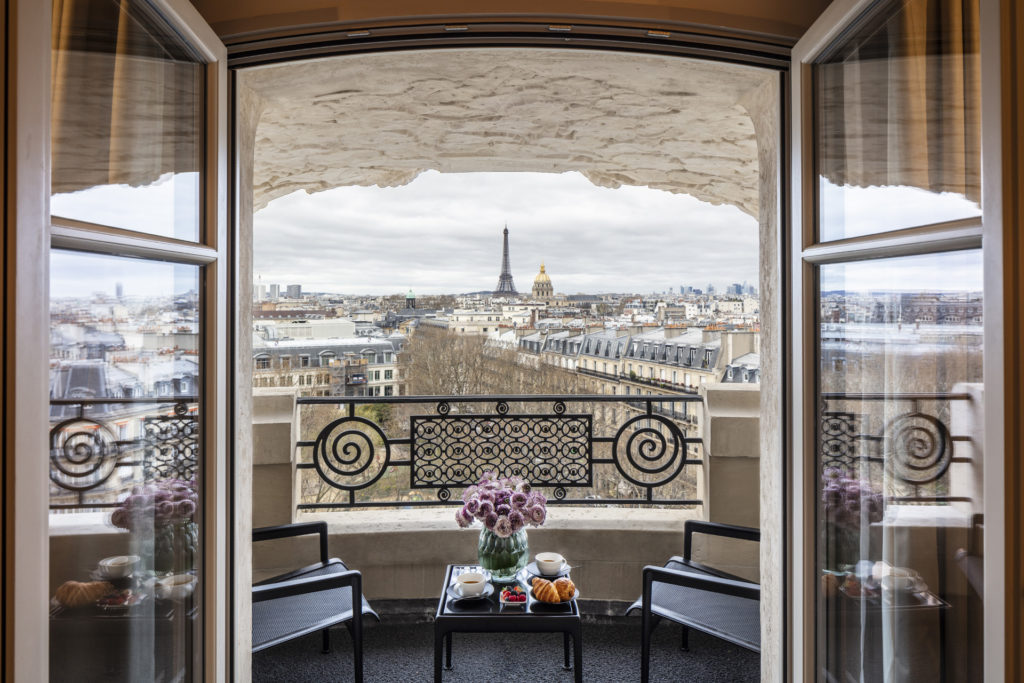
124	468
126	120
900	469
897	121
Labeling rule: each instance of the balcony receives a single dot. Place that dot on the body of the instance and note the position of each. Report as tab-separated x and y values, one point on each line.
610	519
658	383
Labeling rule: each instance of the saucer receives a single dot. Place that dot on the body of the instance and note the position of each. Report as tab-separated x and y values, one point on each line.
454	594
532	570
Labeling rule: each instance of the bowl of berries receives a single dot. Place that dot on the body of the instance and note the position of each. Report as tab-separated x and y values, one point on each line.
513	596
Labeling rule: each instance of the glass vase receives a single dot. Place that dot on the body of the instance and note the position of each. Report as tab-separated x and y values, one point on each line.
503	557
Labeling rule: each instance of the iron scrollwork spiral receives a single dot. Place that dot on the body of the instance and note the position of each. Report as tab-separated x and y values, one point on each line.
83	454
345	453
647	450
559	408
919	448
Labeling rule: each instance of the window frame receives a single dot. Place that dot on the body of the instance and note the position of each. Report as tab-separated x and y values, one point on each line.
32	234
808	254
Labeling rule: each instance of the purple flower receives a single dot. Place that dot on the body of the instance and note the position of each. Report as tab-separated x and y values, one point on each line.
491	521
185	509
537	498
462	518
486	508
538	514
502	509
469	493
524	487
503	527
473	505
519	499
517	520
486	496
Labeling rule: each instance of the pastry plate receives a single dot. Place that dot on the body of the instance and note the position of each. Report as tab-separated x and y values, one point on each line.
575	596
454	594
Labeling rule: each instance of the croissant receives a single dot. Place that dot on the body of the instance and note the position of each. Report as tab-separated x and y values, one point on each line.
78	594
565	587
545	591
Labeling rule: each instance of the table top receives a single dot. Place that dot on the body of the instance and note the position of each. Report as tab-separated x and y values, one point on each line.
491	606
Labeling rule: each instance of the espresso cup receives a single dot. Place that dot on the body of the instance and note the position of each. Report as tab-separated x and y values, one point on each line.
900	579
118	566
177	587
471	584
549	564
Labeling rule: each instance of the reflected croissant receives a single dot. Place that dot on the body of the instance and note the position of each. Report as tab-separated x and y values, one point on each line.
545	591
78	594
565	587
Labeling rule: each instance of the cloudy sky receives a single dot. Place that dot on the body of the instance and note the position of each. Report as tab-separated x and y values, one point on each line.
442	233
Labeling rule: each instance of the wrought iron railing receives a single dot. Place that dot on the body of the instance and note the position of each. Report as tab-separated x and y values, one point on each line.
453	445
901	442
87	453
658	383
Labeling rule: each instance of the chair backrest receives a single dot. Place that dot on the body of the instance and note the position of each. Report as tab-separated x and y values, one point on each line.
693	526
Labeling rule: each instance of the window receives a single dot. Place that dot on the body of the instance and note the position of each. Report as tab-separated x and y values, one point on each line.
304	361
889	328
130	169
262	362
388	390
388	374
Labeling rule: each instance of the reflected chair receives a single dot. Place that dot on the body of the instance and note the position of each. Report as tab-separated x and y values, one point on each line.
309	599
700	597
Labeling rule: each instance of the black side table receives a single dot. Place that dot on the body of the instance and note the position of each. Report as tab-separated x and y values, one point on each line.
487	616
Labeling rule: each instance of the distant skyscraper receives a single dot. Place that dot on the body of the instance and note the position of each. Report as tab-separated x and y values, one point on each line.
275	292
294	291
119	290
505	285
710	289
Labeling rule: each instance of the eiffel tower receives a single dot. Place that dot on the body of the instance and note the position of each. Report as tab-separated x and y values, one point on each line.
505	285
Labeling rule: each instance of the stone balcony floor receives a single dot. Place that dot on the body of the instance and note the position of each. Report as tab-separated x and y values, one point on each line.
402	650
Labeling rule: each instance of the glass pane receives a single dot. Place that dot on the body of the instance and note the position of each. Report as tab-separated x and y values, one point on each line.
124	468
900	496
897	114
127	120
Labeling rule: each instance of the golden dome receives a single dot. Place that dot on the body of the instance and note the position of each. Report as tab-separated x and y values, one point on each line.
542	276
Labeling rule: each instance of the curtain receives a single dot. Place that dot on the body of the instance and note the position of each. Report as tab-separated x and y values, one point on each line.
900	104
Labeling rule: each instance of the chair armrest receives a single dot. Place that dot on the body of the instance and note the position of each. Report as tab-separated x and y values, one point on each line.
693	526
311	584
268	533
712	584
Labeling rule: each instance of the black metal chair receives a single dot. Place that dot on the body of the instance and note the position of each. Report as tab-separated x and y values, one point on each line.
700	597
313	598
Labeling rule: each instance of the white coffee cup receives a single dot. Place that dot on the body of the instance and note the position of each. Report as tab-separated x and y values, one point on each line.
471	584
901	579
549	564
177	587
118	566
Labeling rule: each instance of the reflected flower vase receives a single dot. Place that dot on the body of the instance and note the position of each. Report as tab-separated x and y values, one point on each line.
503	557
842	549
174	547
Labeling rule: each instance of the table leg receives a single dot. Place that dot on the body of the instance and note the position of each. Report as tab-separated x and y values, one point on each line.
448	651
565	649
577	653
438	646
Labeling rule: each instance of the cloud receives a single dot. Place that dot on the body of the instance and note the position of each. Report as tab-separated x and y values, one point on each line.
442	233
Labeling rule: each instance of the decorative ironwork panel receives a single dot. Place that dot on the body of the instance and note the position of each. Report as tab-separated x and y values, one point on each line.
172	445
839	440
453	451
